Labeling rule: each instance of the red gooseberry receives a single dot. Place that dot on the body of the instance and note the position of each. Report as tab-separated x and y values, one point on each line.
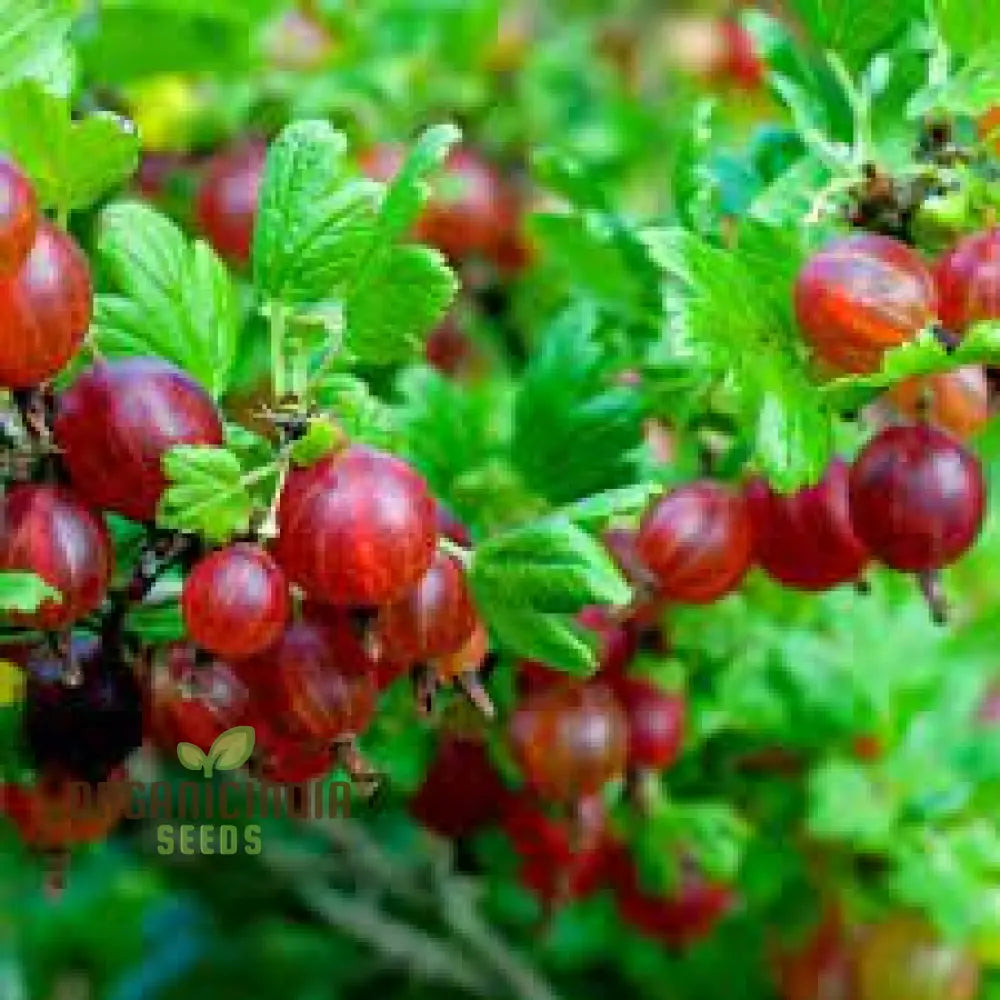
684	916
49	531
49	817
860	296
83	711
195	702
739	63
473	211
656	722
45	309
320	680
916	498
235	601
553	864
697	541
18	218
956	401
117	420
968	281
570	740
461	791
820	967
806	540
356	529
226	208
434	619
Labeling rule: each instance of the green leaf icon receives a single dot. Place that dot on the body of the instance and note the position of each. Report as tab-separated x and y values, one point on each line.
231	750
192	757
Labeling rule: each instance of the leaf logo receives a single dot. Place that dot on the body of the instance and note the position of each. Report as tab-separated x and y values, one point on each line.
231	750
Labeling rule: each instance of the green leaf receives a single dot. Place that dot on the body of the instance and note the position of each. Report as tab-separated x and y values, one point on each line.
855	29
551	639
316	221
592	512
402	295
549	566
216	36
359	412
174	299
191	757
922	356
972	90
409	191
207	493
967	27
224	10
24	592
847	804
157	623
591	424
33	41
600	259
754	350
72	163
232	749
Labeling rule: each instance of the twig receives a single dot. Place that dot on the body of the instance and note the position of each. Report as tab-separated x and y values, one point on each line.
420	953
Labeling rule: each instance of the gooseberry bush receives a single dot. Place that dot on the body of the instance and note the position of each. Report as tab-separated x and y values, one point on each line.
602	488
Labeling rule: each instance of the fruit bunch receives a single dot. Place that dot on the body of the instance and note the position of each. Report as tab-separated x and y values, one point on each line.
345	578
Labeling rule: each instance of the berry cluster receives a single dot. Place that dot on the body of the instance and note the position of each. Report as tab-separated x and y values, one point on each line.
292	631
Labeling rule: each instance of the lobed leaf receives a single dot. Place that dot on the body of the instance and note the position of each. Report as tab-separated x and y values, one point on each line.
73	164
206	492
173	298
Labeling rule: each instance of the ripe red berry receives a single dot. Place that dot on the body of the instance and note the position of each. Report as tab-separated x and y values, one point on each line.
47	530
860	296
437	617
656	722
452	351
357	528
48	817
159	172
957	401
687	915
18	218
285	760
968	281
647	604
570	741
117	420
45	310
461	792
226	208
697	541
740	63
473	212
917	498
821	966
553	865
194	702
806	540
321	680
235	601
83	713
